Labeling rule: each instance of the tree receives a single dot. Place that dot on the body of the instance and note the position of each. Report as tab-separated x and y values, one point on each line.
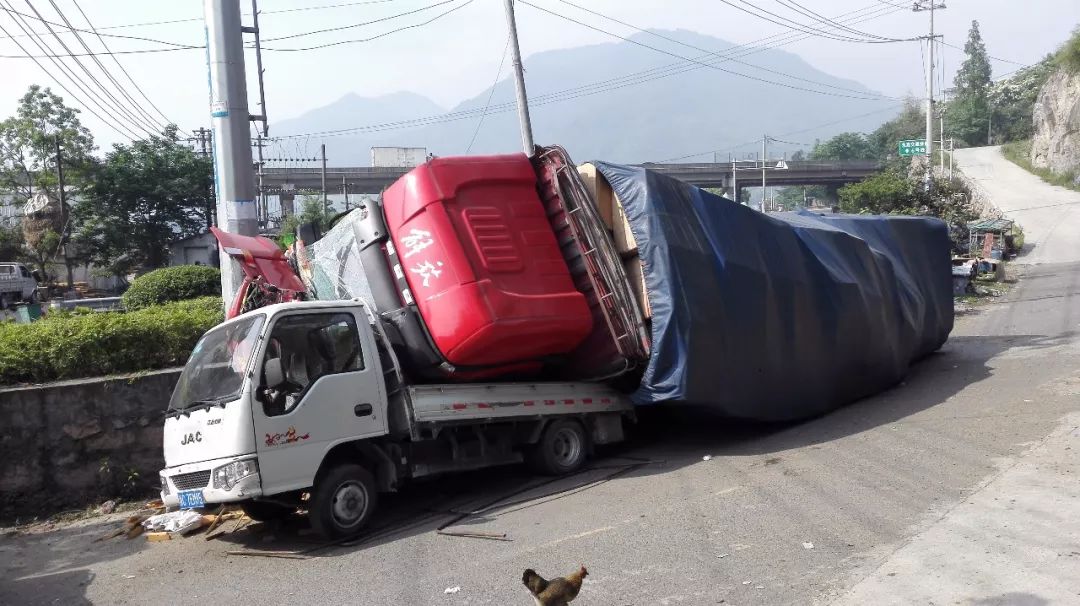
311	211
144	196
845	146
1013	101
28	146
969	111
909	124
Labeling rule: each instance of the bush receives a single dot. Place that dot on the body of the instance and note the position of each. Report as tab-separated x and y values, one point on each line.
1019	153
69	346
1068	56
172	284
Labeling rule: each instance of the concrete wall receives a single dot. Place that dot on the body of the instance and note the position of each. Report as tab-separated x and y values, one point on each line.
75	443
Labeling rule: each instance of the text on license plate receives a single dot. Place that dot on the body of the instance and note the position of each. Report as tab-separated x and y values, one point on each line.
191	499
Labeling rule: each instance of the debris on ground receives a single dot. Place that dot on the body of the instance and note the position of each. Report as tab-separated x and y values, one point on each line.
454	589
107	507
808	545
475	534
181	522
706	457
722	555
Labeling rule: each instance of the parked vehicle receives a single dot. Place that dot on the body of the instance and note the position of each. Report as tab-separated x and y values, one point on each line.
17	283
311	398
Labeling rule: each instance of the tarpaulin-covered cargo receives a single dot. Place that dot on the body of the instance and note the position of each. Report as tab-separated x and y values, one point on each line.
784	316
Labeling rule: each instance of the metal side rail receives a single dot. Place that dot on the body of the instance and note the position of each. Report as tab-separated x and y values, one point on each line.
441	403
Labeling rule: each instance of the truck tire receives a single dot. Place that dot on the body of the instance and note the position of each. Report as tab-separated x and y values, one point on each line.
343	501
265	511
562	448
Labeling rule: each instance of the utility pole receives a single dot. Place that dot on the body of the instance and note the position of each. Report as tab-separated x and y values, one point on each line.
260	209
929	5
764	161
519	81
941	148
234	181
322	152
952	148
345	192
990	128
734	182
63	210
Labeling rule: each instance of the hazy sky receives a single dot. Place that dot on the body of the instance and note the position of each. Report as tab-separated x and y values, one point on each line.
456	56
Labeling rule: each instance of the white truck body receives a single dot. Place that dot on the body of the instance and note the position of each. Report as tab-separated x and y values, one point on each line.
17	283
398	157
230	436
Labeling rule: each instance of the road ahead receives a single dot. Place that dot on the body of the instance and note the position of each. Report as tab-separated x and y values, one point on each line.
959	486
1050	214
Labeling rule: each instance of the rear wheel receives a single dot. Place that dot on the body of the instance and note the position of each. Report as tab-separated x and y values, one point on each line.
561	450
265	511
343	501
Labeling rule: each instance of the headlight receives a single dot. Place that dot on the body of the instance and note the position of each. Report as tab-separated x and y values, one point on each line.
226	476
164	484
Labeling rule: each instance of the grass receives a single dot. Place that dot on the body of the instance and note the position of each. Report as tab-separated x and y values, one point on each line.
1019	153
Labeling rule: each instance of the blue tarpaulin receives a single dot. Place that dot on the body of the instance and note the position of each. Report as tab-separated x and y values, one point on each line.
782	316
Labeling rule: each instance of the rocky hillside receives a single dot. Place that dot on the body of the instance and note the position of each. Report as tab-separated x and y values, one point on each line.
1055	144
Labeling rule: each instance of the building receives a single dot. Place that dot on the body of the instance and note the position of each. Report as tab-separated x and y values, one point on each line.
193	250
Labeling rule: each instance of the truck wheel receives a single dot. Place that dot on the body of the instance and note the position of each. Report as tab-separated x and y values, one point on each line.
3	302
561	450
343	501
265	511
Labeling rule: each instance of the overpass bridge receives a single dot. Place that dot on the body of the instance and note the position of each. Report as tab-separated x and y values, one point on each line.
287	182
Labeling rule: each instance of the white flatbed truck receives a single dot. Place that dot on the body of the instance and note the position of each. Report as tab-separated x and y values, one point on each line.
305	404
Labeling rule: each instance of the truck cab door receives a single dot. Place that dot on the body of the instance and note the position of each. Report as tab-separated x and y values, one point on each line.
332	392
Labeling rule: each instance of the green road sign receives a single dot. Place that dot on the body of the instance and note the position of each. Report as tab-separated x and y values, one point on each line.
913	147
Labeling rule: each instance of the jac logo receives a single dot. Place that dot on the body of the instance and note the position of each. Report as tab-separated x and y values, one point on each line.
214	422
191	438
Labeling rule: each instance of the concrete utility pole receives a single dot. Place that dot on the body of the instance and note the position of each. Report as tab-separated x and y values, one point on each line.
929	5
260	209
234	181
764	161
941	148
322	153
734	182
519	81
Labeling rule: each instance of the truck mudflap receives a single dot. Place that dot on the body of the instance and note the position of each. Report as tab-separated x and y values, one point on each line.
268	276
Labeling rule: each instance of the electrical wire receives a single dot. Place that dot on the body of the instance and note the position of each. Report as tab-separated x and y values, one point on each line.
806	12
355	25
139	122
960	48
127	135
146	117
483	114
47	22
713	53
632	79
376	37
688	59
125	72
800	27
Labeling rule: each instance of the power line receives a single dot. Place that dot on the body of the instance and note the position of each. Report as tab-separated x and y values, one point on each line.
127	135
960	48
376	37
355	25
640	77
491	94
37	17
795	25
713	53
116	105
145	115
122	69
829	22
709	65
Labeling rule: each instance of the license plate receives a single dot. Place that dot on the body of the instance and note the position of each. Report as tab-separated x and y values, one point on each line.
191	499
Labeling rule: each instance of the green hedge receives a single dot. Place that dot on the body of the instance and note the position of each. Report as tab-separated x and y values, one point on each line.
177	283
73	345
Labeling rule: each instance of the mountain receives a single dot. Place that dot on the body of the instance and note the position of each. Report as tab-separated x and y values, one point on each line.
582	98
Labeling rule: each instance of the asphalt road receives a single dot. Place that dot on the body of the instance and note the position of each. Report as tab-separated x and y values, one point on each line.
958	486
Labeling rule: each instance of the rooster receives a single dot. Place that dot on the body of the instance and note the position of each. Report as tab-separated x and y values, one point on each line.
556	592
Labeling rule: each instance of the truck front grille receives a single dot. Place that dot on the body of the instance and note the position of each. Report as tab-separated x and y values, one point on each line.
190	481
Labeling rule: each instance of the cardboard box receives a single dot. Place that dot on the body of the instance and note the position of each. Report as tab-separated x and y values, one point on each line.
624	238
634	273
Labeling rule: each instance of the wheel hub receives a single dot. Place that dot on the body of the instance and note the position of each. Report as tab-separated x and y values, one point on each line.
350	503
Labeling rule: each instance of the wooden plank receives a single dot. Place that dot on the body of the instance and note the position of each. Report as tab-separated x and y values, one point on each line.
157	537
634	272
600	191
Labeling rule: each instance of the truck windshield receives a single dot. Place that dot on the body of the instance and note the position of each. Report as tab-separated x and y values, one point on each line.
215	371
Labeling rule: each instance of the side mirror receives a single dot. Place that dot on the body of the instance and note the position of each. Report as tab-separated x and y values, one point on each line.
37	275
275	375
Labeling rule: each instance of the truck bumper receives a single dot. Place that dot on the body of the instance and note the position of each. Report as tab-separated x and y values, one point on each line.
200	476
